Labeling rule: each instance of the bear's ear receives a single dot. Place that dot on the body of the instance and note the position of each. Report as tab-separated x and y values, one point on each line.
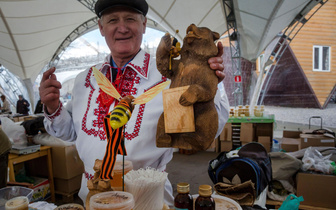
215	35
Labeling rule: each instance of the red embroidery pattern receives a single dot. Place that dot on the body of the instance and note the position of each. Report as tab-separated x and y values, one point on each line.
144	69
88	85
88	176
135	133
58	112
130	78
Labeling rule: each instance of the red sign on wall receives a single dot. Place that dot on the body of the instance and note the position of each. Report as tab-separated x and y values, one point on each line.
238	78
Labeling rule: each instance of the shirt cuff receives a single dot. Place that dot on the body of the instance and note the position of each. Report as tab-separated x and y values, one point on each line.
55	114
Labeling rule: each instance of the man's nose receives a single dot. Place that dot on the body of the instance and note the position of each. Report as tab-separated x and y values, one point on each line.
122	26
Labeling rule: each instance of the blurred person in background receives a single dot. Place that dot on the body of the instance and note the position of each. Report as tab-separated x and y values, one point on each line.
39	107
22	106
5	105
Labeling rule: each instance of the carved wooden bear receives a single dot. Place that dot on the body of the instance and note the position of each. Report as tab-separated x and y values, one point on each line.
192	69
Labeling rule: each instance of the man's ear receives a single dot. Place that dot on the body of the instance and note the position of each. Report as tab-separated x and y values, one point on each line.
101	29
144	26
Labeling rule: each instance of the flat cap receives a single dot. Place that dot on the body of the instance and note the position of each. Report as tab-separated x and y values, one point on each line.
140	6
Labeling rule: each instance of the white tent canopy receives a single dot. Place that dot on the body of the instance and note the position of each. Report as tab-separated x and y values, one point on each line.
32	30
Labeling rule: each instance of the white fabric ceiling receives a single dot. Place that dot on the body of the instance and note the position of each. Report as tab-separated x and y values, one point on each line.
32	30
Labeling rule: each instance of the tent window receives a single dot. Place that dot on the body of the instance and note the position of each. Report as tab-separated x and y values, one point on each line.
321	58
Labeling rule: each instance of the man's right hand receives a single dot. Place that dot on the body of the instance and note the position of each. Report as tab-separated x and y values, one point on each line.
50	90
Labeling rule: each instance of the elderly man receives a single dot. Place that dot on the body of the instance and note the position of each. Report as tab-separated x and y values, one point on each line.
132	71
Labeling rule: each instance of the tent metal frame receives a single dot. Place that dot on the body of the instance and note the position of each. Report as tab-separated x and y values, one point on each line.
76	33
234	40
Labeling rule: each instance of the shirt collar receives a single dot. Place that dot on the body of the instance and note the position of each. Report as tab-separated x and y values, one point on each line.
140	63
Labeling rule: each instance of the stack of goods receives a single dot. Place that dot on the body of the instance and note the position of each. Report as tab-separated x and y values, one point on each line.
259	111
240	111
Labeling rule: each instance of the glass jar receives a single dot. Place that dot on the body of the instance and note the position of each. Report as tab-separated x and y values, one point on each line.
183	200
117	181
204	201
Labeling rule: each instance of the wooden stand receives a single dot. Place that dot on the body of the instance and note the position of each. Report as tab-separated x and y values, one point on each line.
44	151
178	118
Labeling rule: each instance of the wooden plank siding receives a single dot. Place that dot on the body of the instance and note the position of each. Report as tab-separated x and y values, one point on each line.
319	30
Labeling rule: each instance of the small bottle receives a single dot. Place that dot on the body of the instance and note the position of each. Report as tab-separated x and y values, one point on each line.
204	201
183	200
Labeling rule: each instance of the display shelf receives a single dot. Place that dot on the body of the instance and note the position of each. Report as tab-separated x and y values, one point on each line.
45	151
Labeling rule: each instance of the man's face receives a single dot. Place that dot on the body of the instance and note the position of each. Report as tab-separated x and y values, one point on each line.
123	29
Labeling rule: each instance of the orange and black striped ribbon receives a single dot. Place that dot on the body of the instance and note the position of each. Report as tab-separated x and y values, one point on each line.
115	145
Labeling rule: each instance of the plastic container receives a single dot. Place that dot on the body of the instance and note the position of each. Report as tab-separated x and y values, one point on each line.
276	146
116	182
8	193
17	203
113	200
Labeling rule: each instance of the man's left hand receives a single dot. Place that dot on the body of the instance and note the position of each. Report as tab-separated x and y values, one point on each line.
216	63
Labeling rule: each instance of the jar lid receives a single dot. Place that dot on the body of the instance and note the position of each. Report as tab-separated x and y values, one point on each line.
119	165
112	200
183	187
205	190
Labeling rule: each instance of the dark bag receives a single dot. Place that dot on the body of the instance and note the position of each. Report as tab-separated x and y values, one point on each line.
33	126
252	164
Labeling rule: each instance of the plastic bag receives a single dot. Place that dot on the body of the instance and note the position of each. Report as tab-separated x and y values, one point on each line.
291	203
313	160
16	133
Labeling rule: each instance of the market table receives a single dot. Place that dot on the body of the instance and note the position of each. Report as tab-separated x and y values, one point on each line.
44	151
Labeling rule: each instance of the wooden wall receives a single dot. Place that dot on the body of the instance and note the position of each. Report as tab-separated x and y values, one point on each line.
319	30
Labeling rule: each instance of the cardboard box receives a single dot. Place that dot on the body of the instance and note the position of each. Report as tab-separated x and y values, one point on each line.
226	134
291	134
264	129
290	144
247	132
66	162
317	190
68	185
265	141
41	189
314	140
226	146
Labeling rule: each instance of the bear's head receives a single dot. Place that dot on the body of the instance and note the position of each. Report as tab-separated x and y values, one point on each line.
200	40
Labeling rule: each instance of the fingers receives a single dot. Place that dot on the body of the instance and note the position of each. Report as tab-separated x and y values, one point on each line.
50	90
220	75
216	63
46	75
220	49
49	79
